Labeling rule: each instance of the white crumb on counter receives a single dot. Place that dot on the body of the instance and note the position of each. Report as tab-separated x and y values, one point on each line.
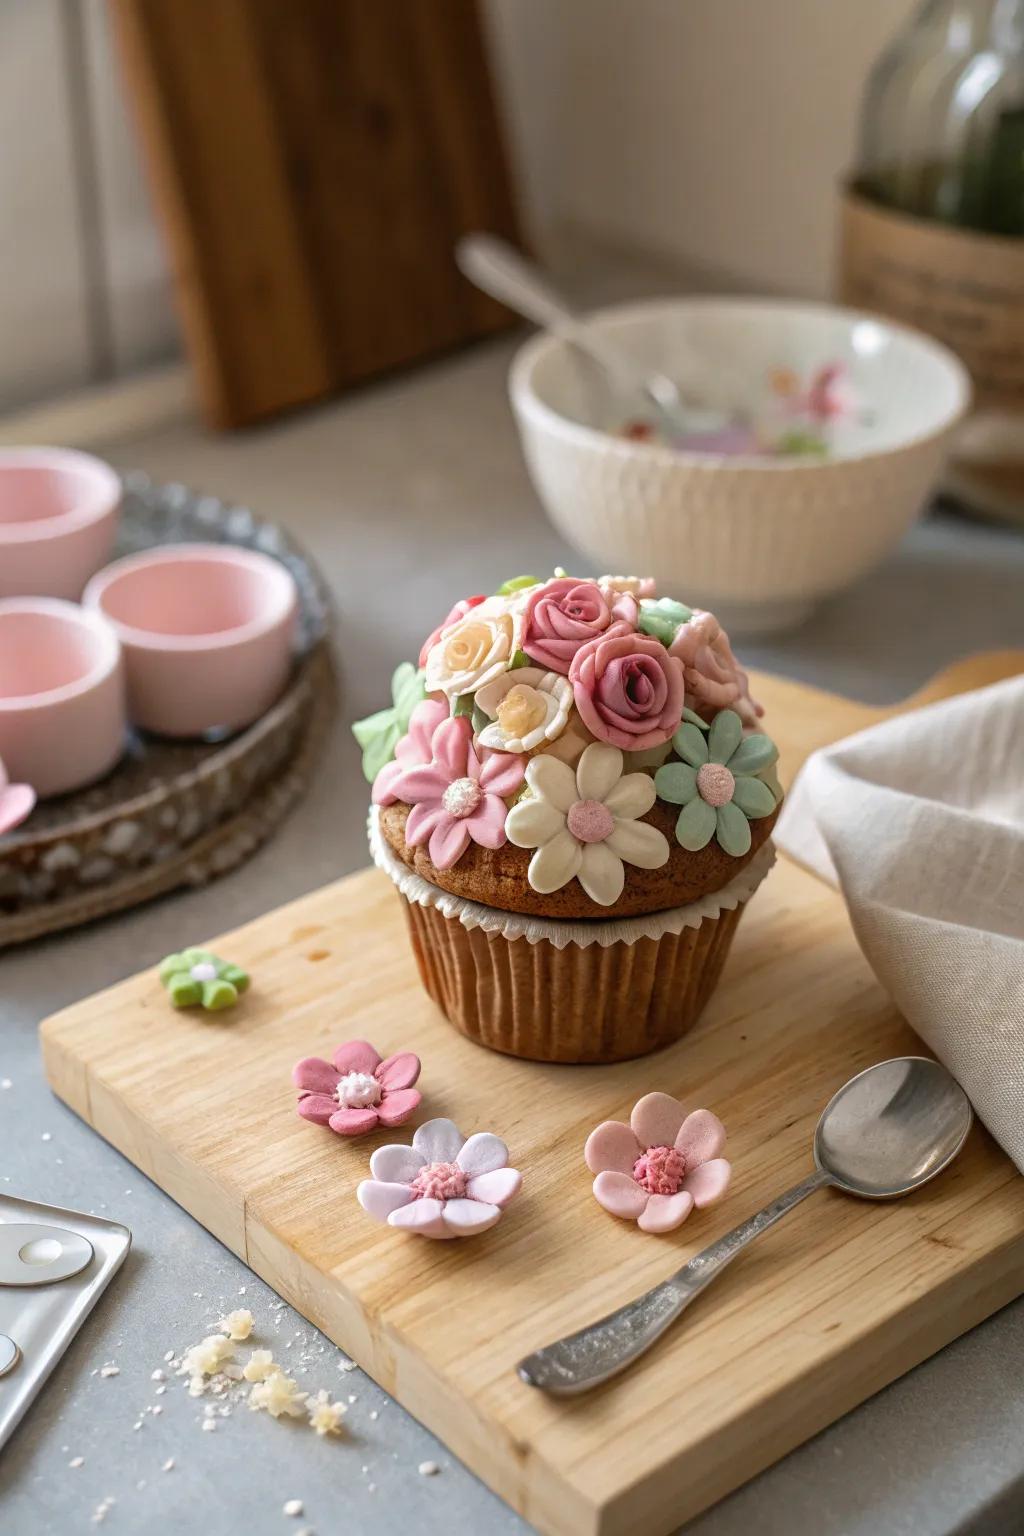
110	1370
428	1469
77	1461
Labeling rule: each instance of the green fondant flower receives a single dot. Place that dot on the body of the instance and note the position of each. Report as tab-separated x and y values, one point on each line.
517	584
718	782
662	616
379	734
197	976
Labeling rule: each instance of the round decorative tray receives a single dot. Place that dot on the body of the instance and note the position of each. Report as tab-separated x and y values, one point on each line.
176	813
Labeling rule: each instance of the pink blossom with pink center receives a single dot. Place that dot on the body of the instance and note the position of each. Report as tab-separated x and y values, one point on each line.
457	798
714	678
412	749
443	1185
660	1166
357	1090
629	690
565	614
460	610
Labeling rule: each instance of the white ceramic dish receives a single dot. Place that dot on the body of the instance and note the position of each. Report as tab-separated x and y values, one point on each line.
759	540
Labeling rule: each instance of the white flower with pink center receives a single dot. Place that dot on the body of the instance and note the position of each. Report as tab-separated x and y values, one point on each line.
444	1185
584	823
656	1169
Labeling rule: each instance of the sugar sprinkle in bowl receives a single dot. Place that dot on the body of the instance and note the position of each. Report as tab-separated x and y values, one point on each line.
761	540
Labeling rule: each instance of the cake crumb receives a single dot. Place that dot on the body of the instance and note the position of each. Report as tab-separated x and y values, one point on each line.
169	1356
5	1082
168	1465
209	1425
158	1375
428	1469
46	1136
237	1325
110	1370
292	1507
77	1461
102	1509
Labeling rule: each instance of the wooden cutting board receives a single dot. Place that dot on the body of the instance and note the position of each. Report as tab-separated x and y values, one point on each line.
839	1299
313	165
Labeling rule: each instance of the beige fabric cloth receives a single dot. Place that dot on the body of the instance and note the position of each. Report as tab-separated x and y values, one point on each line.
920	821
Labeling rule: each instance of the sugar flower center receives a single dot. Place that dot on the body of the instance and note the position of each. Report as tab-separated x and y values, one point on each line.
440	1181
521	710
461	798
715	783
660	1170
204	970
590	821
358	1090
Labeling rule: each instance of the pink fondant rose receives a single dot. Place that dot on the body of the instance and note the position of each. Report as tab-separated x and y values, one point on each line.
565	614
455	797
628	690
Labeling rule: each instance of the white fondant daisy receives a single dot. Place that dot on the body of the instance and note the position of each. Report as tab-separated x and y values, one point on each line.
525	707
584	824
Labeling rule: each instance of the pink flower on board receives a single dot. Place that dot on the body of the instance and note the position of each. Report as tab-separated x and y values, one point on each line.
658	1167
443	1185
457	797
412	749
460	610
356	1091
629	690
17	801
714	678
565	613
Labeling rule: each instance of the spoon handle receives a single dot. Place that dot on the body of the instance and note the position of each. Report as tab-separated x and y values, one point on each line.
585	1359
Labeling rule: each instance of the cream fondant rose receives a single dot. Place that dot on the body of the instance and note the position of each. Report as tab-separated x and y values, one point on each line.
472	652
526	708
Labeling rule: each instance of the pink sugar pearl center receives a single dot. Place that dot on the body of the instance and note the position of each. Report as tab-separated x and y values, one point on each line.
660	1170
440	1181
589	821
715	783
461	798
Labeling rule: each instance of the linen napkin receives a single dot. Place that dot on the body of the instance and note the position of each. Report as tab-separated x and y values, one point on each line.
920	822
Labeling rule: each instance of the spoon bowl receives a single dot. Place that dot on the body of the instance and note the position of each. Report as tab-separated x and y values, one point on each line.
892	1128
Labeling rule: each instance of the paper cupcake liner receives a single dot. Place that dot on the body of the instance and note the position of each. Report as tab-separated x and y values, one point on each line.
568	992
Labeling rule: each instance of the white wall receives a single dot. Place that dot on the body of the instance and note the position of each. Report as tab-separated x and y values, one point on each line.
83	283
708	132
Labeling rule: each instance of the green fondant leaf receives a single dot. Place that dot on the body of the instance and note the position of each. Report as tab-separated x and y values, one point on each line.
689	742
369	729
753	753
676	782
771	778
516	584
480	720
724	736
695	719
733	830
463	705
696	825
379	750
520	659
408	688
662	616
753	797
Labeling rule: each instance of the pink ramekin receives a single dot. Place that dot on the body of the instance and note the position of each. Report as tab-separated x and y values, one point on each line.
62	715
206	631
58	517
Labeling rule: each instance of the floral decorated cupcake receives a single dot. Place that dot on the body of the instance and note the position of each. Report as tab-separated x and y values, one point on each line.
572	795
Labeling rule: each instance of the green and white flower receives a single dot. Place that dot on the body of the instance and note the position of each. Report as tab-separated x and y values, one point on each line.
718	782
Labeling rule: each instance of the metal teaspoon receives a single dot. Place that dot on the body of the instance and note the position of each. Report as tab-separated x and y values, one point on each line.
886	1132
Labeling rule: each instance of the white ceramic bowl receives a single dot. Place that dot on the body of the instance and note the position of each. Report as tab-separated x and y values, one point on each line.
759	540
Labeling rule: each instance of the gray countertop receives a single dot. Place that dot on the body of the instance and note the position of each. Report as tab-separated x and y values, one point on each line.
417	488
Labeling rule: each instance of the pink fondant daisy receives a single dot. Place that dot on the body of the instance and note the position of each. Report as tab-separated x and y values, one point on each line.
658	1167
359	1091
443	1185
457	796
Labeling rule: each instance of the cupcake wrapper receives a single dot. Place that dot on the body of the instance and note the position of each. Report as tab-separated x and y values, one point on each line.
554	991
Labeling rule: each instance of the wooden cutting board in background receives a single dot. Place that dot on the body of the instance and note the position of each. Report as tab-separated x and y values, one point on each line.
833	1303
313	164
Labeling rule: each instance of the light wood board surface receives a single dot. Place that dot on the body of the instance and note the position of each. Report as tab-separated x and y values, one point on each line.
837	1300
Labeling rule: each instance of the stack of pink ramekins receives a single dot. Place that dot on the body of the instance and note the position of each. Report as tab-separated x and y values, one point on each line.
181	640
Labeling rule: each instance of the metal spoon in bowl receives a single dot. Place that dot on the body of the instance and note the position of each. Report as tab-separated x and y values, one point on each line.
500	270
886	1132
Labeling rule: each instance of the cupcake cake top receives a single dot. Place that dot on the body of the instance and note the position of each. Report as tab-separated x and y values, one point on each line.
605	731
